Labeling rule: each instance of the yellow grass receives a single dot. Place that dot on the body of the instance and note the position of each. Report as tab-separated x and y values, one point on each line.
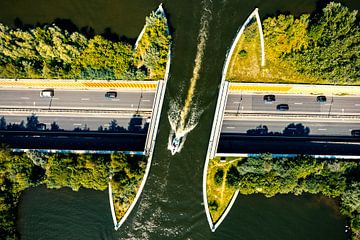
247	67
221	193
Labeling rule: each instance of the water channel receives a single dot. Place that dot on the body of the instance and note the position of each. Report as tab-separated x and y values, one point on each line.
171	204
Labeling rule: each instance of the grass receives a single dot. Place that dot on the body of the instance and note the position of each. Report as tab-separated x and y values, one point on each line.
245	63
220	193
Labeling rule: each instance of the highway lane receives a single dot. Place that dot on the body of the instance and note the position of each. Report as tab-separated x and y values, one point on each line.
238	102
297	103
317	127
76	98
80	121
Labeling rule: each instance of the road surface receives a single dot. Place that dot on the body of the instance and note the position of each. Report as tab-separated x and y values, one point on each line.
297	103
317	127
87	99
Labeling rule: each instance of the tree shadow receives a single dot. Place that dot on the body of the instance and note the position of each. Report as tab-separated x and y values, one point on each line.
135	125
293	129
71	27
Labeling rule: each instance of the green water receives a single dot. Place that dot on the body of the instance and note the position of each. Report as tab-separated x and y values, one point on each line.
171	204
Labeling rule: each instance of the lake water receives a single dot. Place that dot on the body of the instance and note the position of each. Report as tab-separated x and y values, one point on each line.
171	204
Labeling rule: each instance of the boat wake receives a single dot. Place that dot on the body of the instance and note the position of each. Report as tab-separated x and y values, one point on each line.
183	120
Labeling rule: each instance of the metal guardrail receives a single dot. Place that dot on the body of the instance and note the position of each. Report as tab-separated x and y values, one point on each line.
72	110
330	138
67	133
292	115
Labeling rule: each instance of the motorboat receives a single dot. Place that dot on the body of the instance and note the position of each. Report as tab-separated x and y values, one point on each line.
175	144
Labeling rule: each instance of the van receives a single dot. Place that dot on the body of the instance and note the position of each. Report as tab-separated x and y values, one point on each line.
47	93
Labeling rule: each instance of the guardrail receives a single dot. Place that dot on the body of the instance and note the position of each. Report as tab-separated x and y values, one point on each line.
68	133
234	113
72	110
329	138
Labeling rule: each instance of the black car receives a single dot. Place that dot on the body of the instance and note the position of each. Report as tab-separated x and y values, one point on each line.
269	98
282	107
355	133
111	94
321	99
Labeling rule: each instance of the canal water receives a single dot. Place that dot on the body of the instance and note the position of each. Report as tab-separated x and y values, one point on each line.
171	204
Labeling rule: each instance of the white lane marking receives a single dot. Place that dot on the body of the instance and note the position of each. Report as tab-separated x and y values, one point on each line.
25	98
85	99
77	124
236	102
322	129
115	100
230	127
298	103
55	98
357	105
145	100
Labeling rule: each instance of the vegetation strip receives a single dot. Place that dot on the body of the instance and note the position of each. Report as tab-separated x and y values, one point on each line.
317	49
19	171
210	152
49	52
158	102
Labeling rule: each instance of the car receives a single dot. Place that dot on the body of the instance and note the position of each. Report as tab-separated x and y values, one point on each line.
269	98
355	133
111	94
282	107
47	93
321	99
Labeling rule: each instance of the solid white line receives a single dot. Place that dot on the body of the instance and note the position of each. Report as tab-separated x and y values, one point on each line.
322	129
85	99
298	103
230	127
145	100
357	105
236	102
25	98
77	124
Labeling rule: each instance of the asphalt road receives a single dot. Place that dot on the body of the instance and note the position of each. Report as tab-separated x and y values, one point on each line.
95	99
81	121
297	103
317	127
88	99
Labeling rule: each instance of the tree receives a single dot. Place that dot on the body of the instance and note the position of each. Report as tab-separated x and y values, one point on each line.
233	176
218	177
2	123
32	122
